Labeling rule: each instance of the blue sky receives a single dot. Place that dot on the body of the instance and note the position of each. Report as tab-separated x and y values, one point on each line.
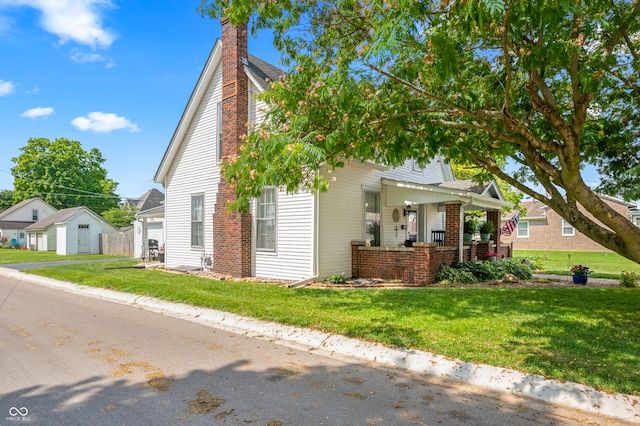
114	75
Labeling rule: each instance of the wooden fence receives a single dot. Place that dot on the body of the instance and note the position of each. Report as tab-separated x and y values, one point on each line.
116	244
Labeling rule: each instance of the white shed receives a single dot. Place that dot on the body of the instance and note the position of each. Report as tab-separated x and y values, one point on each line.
70	231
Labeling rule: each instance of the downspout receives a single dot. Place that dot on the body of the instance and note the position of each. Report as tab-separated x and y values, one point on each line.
461	230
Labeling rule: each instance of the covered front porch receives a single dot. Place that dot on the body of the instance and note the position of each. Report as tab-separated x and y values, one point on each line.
431	217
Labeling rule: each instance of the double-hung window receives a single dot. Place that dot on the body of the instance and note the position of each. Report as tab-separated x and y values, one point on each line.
523	229
197	220
567	229
266	220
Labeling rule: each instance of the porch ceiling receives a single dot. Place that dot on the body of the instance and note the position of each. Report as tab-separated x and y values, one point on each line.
400	193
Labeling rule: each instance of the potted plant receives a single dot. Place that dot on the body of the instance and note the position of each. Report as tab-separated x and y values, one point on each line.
491	256
486	229
470	228
580	274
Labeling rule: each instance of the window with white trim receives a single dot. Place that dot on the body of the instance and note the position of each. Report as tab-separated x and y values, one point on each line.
197	220
34	215
567	229
523	229
266	220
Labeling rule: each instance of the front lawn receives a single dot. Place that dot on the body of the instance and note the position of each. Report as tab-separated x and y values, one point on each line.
579	334
603	264
22	256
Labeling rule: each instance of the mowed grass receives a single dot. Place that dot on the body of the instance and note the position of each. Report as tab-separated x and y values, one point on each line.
22	256
585	335
603	264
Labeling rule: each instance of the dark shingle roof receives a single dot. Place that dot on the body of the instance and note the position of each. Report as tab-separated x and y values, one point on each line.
263	71
150	199
14	224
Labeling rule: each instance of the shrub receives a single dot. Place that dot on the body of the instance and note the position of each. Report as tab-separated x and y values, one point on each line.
336	279
517	268
469	272
629	279
449	275
481	271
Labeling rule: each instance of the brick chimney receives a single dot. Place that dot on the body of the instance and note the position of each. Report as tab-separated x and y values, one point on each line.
232	231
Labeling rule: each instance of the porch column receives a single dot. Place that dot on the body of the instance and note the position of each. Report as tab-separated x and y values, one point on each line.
493	216
453	228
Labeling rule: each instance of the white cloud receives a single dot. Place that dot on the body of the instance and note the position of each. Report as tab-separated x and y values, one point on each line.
37	112
102	122
6	87
83	58
72	20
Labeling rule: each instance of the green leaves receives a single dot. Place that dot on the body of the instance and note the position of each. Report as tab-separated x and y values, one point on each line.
63	174
546	87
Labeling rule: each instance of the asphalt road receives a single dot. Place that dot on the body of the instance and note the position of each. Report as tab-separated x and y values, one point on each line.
73	360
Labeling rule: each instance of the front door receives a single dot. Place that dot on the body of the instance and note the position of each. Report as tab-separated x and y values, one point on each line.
84	239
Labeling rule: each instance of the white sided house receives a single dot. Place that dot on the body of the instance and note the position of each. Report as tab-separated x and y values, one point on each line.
74	230
294	236
15	219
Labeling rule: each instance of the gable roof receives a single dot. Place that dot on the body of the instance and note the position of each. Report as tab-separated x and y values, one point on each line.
150	199
62	216
21	204
261	73
489	189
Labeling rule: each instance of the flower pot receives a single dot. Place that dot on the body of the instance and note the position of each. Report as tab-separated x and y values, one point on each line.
580	279
467	237
492	258
484	237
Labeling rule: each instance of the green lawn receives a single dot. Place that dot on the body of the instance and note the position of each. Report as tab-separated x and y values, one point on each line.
603	264
22	256
579	334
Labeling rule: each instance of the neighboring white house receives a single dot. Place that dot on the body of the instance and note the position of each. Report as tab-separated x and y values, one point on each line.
15	219
287	236
74	230
149	225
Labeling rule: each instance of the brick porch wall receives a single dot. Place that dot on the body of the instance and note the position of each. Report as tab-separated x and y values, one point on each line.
417	265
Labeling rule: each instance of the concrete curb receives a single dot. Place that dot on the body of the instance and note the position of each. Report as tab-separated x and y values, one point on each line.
620	406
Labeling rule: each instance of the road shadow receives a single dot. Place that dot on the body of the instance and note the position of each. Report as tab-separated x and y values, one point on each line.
235	394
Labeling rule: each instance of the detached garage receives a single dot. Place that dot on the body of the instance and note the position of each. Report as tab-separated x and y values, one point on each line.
70	231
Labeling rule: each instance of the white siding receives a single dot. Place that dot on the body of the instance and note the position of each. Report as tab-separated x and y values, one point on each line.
431	173
195	171
293	257
341	216
25	213
341	211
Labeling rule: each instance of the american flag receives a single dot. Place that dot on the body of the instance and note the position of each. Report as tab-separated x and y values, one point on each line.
508	227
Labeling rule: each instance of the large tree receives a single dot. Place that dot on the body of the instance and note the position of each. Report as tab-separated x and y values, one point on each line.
530	91
6	199
63	174
120	216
